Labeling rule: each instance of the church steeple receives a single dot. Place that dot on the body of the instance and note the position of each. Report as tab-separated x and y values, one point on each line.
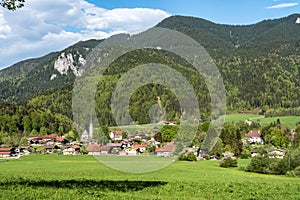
91	127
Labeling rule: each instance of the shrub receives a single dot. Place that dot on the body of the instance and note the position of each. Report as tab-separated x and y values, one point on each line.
187	156
259	164
228	162
245	154
295	172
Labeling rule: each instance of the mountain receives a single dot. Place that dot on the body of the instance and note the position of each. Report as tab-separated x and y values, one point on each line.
266	36
259	63
31	77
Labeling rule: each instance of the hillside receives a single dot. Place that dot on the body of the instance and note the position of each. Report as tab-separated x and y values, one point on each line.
31	77
260	65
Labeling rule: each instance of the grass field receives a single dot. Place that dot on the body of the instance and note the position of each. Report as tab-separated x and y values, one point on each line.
83	177
287	121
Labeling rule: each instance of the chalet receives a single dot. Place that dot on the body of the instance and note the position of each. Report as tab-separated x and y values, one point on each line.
7	152
61	140
140	148
97	149
38	140
104	150
116	135
23	150
94	149
253	137
272	153
48	148
165	151
276	153
69	151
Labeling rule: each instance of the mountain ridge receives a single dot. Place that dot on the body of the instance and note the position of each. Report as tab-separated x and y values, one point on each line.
238	50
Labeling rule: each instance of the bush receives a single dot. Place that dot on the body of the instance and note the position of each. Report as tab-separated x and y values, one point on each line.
245	154
228	162
295	172
187	156
259	164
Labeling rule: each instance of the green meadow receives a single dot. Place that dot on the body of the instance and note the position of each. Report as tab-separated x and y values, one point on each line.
287	121
84	177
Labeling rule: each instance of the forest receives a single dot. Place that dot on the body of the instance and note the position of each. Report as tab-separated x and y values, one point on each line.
259	64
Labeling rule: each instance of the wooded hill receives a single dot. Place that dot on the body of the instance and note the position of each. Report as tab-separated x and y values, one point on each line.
260	65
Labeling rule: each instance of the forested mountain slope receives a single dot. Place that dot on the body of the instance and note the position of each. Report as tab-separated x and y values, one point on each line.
260	65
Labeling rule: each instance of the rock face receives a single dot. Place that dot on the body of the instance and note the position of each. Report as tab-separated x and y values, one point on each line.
66	61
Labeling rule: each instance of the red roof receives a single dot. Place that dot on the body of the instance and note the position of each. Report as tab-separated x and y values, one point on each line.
94	148
59	138
76	146
253	134
5	153
169	147
117	132
164	149
138	146
105	148
5	149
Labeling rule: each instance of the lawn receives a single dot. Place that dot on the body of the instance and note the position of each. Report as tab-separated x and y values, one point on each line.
84	177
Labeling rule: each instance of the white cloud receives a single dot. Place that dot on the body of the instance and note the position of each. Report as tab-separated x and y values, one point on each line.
45	26
282	5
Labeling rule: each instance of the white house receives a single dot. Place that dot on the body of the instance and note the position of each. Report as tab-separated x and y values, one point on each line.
116	135
69	151
253	137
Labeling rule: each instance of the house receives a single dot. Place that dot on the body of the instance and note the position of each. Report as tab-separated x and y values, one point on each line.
22	150
165	151
104	150
254	153
131	151
43	139
276	153
116	135
69	151
97	149
202	152
140	148
48	148
170	123
94	149
253	137
272	153
61	140
7	152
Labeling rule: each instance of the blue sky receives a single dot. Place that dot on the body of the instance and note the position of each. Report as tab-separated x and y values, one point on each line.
42	27
219	11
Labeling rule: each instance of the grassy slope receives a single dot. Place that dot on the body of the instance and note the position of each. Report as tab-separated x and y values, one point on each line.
287	121
83	177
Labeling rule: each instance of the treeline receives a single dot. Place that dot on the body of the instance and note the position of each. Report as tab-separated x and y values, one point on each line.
289	165
282	112
45	114
273	135
252	83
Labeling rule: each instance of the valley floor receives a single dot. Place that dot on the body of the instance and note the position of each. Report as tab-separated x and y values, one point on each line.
84	177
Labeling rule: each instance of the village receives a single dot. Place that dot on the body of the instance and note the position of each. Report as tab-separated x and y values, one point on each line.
121	145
